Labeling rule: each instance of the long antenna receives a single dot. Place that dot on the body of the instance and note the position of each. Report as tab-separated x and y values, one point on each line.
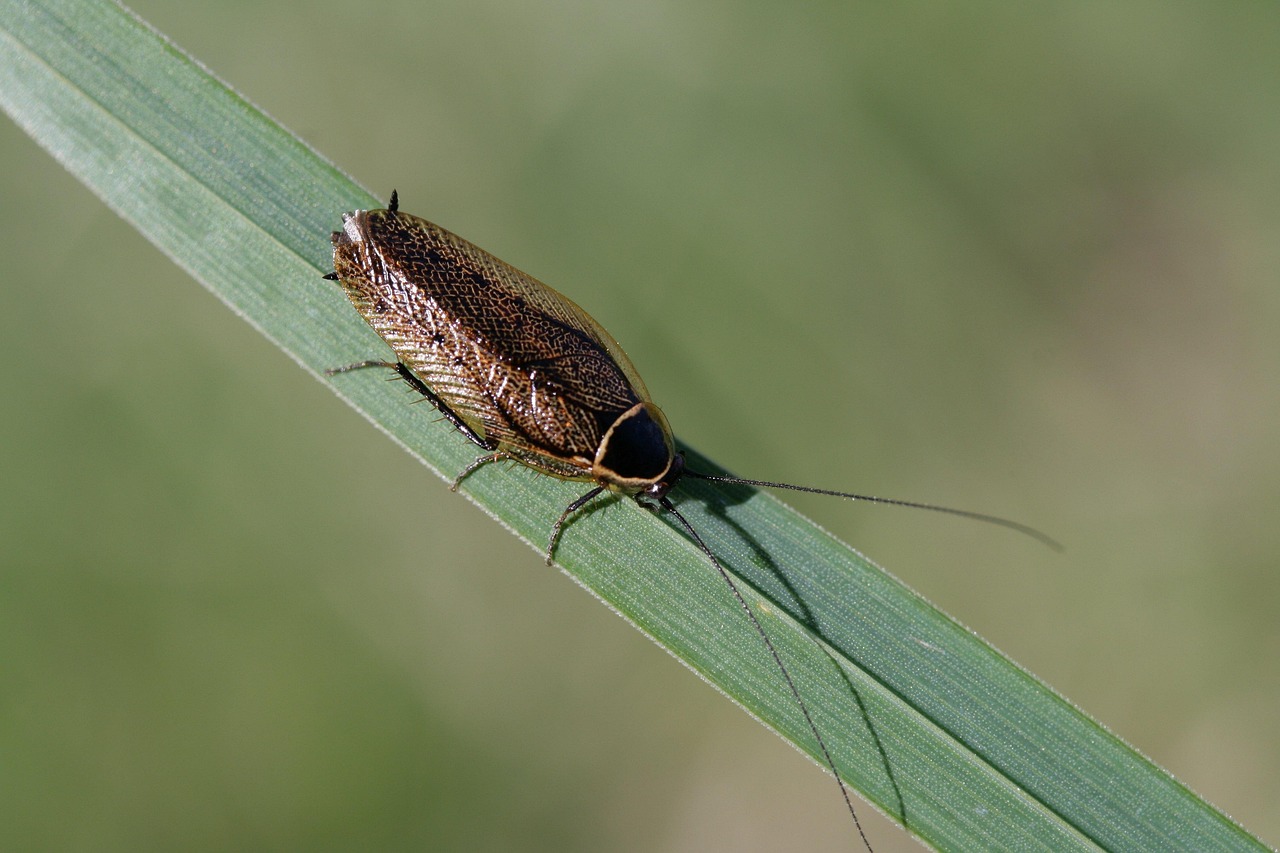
777	658
1043	538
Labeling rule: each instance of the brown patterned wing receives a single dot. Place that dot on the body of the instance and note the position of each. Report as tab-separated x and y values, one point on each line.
518	361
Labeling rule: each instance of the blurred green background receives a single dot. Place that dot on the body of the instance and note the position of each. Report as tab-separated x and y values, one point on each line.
1012	259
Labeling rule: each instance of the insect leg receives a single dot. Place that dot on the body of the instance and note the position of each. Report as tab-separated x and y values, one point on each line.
418	385
480	462
568	511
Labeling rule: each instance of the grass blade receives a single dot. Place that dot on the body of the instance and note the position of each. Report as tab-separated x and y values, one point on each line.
977	753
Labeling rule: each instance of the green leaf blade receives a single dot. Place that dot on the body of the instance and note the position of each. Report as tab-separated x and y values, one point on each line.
977	754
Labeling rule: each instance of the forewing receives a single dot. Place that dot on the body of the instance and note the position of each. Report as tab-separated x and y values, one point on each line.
515	359
529	291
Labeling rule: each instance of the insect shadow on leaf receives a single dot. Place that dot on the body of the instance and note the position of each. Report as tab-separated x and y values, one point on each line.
529	377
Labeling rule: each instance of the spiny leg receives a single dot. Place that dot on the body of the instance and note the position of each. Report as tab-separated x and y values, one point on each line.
480	462
568	511
418	385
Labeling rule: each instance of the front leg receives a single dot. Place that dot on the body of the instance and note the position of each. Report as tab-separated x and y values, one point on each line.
568	511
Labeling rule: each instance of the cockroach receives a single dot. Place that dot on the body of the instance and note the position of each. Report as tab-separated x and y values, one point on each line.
528	376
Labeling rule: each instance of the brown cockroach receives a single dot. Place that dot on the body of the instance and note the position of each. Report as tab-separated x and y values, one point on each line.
528	376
